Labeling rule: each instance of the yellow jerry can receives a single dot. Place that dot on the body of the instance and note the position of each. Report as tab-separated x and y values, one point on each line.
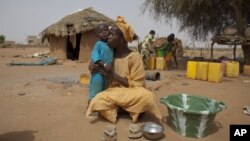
160	63
232	69
151	63
191	69
214	72
246	70
84	79
201	72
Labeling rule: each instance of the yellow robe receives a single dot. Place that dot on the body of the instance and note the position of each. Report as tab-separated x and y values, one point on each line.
135	99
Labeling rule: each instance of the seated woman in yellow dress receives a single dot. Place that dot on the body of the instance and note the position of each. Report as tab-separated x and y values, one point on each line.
126	91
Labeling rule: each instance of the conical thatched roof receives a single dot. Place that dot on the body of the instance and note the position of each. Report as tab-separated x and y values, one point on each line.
82	21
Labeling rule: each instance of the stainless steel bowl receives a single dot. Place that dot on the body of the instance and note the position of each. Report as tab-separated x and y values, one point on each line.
152	131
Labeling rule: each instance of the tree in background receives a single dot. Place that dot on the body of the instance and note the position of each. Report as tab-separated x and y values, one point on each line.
2	39
202	18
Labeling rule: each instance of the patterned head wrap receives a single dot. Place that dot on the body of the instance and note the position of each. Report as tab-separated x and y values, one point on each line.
126	29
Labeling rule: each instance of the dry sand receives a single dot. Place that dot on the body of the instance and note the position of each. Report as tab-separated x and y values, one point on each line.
46	103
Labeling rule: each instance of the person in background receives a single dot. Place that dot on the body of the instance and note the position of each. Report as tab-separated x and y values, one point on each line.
146	47
127	89
169	50
174	51
102	55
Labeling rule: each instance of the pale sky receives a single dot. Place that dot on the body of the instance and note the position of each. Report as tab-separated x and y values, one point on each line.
20	18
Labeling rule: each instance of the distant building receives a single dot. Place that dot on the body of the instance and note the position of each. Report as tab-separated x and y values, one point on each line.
7	44
33	40
10	43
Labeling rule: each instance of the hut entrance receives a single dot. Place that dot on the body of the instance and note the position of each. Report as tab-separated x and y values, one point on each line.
73	47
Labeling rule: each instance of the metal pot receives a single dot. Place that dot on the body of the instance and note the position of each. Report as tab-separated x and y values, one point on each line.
152	131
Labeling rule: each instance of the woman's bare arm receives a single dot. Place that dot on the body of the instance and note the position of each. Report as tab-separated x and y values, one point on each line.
114	76
123	81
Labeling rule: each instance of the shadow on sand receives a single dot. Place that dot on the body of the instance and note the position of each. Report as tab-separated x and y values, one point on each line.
26	135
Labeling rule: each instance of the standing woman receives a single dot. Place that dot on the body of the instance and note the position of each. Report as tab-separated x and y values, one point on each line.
146	47
126	90
170	53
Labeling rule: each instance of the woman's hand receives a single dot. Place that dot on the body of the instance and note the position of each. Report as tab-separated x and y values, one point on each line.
110	74
94	67
108	67
97	68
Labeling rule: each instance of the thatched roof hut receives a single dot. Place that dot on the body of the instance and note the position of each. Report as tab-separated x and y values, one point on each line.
73	36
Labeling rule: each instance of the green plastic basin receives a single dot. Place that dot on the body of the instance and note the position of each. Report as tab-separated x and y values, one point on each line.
192	116
160	52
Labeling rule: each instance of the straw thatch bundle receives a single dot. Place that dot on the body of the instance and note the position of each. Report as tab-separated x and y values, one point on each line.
177	45
229	31
159	42
247	32
82	21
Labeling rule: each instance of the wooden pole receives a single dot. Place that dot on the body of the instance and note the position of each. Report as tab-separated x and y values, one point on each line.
212	49
234	51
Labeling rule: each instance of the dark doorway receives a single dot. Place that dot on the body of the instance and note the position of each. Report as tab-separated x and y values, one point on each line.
70	49
77	46
73	51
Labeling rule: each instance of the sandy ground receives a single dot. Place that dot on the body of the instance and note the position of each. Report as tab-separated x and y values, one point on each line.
46	103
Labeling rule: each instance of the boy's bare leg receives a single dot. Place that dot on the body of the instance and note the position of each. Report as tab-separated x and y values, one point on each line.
175	60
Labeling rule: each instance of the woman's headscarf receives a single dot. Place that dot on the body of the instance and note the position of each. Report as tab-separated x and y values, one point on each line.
126	29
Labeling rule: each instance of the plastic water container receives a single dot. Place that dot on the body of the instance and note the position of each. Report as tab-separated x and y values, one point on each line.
202	72
214	72
160	63
192	116
151	63
191	69
232	69
246	70
84	79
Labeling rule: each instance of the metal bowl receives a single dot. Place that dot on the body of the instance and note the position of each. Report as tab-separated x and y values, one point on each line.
152	131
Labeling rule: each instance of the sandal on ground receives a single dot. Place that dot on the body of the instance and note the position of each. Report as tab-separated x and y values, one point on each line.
93	116
246	110
134	131
109	133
